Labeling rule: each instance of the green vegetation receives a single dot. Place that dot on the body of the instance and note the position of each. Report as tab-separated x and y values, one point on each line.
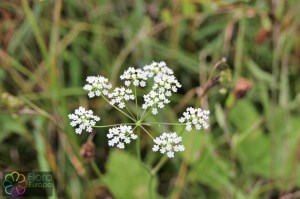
252	149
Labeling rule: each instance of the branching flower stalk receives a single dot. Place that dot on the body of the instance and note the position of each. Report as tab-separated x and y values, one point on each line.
163	85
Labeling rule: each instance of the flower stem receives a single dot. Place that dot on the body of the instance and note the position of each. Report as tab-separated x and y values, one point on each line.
147	132
129	111
136	104
150	186
96	169
145	115
104	126
118	108
163	123
138	143
159	165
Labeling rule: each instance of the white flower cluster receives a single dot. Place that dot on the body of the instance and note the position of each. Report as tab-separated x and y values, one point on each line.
84	118
164	84
120	136
196	117
168	143
137	77
96	86
120	95
157	67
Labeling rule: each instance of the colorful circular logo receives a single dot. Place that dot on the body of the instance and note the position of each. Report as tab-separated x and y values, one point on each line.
14	184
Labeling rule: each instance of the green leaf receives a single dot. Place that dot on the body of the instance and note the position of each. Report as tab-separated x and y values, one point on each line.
258	72
10	125
212	171
127	178
286	151
254	153
243	115
220	115
251	146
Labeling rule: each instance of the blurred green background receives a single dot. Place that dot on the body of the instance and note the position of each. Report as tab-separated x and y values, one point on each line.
48	47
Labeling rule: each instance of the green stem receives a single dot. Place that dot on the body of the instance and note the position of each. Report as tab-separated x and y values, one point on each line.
118	108
138	143
142	115
96	169
150	186
129	111
35	29
142	118
136	104
145	115
147	132
182	130
164	123
159	165
104	126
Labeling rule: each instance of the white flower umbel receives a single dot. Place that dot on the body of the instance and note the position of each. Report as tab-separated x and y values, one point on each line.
84	119
195	117
97	85
164	84
120	136
157	67
137	77
155	99
120	95
168	143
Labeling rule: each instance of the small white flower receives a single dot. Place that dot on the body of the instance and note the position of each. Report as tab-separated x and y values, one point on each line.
120	95
168	143
96	86
195	117
84	119
154	111
120	136
134	76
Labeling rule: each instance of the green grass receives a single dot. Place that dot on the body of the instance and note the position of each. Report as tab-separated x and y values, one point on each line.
47	48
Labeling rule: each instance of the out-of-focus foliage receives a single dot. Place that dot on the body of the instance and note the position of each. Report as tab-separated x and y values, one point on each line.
252	150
